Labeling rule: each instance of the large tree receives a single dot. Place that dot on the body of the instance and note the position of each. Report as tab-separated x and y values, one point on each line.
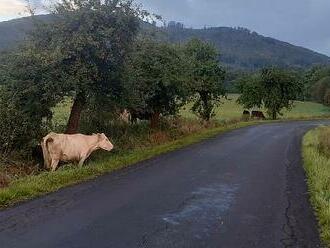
272	88
206	77
79	53
156	79
87	40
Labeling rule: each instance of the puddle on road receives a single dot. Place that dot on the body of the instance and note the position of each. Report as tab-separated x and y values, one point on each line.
196	219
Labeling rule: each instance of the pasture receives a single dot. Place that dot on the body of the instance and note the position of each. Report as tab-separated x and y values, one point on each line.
227	111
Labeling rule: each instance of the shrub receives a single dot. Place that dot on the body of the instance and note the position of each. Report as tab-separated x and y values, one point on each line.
18	130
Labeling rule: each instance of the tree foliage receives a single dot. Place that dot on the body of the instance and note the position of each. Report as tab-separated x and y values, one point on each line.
156	82
272	88
89	40
206	77
317	84
313	79
319	89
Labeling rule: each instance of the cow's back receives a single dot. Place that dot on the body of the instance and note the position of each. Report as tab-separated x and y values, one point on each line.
67	147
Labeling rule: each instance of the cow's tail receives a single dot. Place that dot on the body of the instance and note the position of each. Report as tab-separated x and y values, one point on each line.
45	150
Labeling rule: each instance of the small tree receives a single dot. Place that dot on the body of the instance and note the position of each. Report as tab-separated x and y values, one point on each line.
156	79
273	89
206	77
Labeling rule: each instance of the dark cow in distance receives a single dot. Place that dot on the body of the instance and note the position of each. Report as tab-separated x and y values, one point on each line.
139	114
246	115
258	115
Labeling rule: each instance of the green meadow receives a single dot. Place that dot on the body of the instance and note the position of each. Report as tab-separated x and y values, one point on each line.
229	109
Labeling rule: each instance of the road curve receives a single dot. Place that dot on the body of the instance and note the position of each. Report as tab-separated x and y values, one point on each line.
245	189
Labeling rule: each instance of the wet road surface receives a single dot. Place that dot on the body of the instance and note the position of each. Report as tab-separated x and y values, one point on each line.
245	189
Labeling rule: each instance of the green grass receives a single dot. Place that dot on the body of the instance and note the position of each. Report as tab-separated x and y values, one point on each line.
33	186
226	111
231	110
317	166
61	113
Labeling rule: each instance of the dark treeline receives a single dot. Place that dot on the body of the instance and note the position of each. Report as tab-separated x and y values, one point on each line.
317	84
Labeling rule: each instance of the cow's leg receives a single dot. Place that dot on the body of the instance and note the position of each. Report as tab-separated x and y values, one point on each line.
81	161
54	164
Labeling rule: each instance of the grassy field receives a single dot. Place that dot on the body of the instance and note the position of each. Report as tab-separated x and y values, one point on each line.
316	154
230	109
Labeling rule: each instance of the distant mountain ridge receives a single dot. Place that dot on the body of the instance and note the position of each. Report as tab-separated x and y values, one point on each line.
239	47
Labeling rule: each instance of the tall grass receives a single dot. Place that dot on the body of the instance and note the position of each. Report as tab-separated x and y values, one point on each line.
324	141
316	154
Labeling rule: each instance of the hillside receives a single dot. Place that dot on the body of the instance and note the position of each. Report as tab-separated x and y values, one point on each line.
239	48
243	49
14	31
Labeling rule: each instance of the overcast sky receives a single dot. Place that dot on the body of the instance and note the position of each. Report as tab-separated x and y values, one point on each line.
301	22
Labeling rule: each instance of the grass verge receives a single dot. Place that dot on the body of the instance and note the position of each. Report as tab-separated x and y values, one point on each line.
317	166
33	186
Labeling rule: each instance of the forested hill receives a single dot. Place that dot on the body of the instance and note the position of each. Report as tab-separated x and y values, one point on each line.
14	31
239	47
243	49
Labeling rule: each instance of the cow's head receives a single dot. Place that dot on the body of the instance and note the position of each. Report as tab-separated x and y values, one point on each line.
104	142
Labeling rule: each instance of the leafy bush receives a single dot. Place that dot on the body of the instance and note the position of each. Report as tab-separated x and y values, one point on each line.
18	129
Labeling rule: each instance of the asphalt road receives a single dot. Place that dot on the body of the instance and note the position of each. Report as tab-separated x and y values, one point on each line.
245	188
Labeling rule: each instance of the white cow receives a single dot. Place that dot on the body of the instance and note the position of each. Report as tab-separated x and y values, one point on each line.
75	147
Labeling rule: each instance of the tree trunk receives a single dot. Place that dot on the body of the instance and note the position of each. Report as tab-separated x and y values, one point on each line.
154	121
206	110
274	115
74	119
